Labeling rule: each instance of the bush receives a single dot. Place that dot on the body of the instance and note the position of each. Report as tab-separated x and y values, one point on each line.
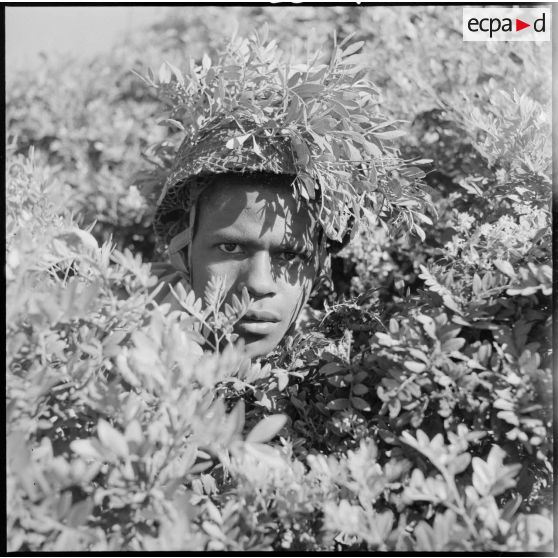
414	414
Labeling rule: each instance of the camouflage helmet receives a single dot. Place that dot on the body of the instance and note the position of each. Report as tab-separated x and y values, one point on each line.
250	111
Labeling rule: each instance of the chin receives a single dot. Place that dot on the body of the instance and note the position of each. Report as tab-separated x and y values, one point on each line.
258	347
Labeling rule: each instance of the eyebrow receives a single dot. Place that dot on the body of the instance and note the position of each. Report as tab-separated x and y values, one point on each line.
235	237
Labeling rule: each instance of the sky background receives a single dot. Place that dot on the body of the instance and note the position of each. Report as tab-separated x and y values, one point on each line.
81	30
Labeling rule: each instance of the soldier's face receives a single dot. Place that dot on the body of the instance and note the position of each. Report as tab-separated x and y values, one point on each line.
259	237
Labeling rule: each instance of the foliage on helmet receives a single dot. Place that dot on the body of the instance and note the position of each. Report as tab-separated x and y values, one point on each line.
228	112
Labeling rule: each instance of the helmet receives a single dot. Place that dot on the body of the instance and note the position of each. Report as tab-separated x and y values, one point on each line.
250	111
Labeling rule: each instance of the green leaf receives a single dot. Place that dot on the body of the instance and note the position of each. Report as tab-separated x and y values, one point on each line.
176	72
492	476
213	512
413	173
303	155
391	135
360	389
266	429
450	303
86	449
170	122
509	417
112	439
477	284
111	343
308	90
237	416
385	339
237	141
428	324
414	366
206	61
424	535
213	530
453	344
282	381
293	80
165	74
417	353
372	149
420	232
352	48
394	407
359	403
79	240
293	111
338	404
331	368
505	267
458	464
78	514
257	149
133	432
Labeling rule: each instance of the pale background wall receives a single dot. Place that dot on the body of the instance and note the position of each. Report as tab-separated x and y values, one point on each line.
79	30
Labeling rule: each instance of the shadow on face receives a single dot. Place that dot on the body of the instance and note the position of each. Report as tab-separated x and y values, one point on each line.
252	230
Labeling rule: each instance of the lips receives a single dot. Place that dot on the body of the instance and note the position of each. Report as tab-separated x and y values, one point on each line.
261	316
259	322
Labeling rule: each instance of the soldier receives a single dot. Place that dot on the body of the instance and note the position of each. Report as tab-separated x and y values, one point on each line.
277	165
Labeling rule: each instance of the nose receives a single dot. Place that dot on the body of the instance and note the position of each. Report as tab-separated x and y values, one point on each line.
257	275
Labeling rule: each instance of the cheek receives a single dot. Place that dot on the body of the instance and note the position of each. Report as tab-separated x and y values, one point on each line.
301	278
203	270
297	291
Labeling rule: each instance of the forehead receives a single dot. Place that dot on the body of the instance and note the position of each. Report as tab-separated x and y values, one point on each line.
255	206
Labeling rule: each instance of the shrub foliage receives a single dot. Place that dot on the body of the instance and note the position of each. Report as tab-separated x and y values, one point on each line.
413	413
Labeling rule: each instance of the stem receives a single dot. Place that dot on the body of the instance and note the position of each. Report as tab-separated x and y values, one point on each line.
216	336
460	504
450	481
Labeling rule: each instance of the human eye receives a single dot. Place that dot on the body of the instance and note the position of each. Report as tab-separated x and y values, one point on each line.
230	248
294	255
289	256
